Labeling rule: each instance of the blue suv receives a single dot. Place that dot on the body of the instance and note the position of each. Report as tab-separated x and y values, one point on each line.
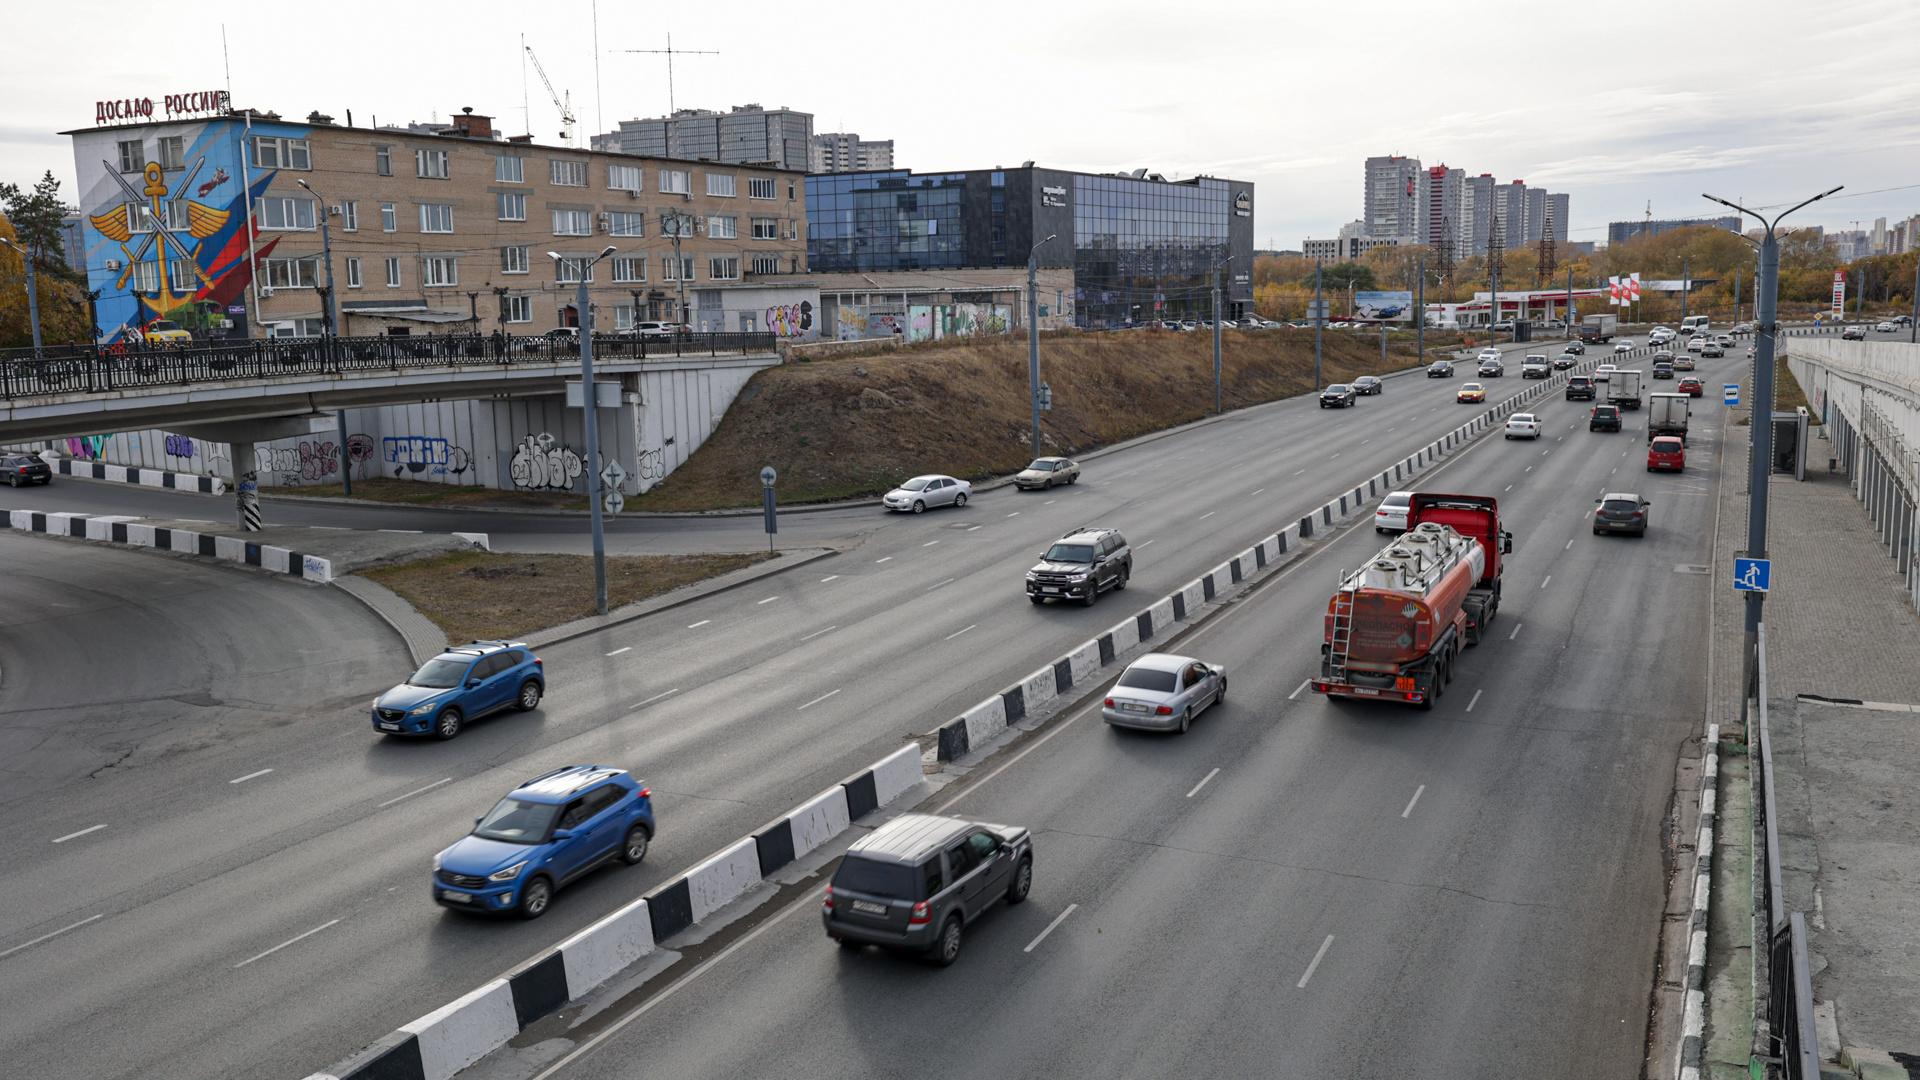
546	833
459	686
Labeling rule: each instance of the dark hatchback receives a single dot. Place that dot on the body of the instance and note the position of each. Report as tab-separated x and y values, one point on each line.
1368	384
26	469
1604	418
1621	511
917	881
1579	388
1439	369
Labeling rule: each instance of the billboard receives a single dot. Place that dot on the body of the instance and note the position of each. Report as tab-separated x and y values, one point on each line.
1383	306
1839	293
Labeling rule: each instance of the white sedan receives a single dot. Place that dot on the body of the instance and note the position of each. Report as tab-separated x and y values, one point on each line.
1392	513
923	492
1623	346
1489	354
1523	425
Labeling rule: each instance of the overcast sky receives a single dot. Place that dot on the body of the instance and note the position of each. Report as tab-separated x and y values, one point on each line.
1617	105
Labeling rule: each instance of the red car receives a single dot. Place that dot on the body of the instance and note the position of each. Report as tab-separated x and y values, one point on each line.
1666	452
1690	386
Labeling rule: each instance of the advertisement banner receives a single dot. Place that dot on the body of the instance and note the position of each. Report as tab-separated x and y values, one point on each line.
1839	293
1383	306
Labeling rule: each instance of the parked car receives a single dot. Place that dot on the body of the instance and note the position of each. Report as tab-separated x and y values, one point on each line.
164	332
545	834
916	882
1046	472
922	493
1504	326
1470	393
1368	384
1162	692
1081	565
1690	386
1580	388
1492	369
665	330
1523	426
1391	515
1621	511
1667	452
1338	396
1710	348
1663	371
1854	333
1440	369
1564	361
26	469
460	686
1535	367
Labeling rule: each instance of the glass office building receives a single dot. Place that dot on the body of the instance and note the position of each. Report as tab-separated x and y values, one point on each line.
1141	247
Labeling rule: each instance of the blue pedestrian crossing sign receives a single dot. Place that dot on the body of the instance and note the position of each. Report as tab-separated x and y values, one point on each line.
1752	575
1732	391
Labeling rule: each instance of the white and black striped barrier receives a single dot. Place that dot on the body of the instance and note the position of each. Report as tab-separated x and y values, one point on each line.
128	474
125	530
1693	1020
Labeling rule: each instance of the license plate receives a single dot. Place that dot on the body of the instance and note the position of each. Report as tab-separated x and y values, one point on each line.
457	897
1134	708
389	727
1365	690
1048	588
869	908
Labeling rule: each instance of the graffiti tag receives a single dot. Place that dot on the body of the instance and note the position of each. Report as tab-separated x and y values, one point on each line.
540	465
653	464
420	453
790	320
179	446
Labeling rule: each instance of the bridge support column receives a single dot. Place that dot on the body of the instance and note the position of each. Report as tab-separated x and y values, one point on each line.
246	495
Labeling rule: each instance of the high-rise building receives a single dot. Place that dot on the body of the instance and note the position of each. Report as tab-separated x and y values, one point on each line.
1443	225
745	134
1632	230
1477	211
1879	236
842	151
1510	210
1392	197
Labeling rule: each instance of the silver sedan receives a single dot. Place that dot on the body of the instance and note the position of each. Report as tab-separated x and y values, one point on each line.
924	492
1162	692
1046	472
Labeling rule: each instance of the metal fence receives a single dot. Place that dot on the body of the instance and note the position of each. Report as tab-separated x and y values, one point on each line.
1792	1048
70	369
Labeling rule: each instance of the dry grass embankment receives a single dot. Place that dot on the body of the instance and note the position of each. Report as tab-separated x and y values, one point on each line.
484	595
387	489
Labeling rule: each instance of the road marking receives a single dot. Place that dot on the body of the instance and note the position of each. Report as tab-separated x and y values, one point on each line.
1256	492
1516	631
817	633
701	623
957	633
930	543
1202	783
286	943
1058	919
1509	487
1528	469
1476	700
1334	456
887	559
1408	812
975	527
1544	453
82	832
1544	583
655	698
1304	683
820	699
617	652
1614	471
1301	471
414	792
1317	957
828	578
47	937
1208	514
768	600
936	585
1149	542
401	530
1569	546
1049	502
249	776
1016	513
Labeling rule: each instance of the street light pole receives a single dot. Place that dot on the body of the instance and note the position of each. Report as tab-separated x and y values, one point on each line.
1319	321
1420	313
678	222
33	294
1684	262
326	252
1216	335
1033	338
590	406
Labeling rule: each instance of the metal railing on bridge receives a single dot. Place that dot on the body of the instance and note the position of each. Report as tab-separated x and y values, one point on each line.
69	369
1792	1049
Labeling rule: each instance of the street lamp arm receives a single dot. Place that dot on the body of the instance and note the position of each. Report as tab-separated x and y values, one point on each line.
1815	199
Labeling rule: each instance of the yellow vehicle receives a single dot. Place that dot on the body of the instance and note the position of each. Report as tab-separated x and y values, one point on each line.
162	332
1471	393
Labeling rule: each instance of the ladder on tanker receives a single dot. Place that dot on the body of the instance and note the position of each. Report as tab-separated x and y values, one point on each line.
1342	636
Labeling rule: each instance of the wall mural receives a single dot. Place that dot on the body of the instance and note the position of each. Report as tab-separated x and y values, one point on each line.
314	460
541	464
790	320
360	451
179	446
87	447
653	464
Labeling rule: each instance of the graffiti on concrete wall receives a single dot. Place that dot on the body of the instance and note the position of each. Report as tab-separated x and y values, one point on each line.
790	320
315	460
423	454
653	464
360	451
179	446
541	464
86	447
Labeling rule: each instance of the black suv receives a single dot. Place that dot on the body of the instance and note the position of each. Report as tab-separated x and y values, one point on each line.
1338	396
917	881
1579	387
1604	418
1439	369
26	469
1081	564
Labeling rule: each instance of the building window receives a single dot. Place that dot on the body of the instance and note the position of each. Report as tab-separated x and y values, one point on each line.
519	309
629	268
572	223
623	316
272	153
438	271
140	218
513	260
790	187
624	177
723	228
626	224
676	182
353	273
291	273
393	273
569	173
510	170
173	152
350	216
286	213
436	218
568	270
133	156
389	221
146	276
677	269
432	164
720	185
724	269
766	264
383	160
512	207
182	273
766	228
761	187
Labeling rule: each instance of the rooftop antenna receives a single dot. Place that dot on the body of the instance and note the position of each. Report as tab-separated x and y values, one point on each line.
670	51
227	62
599	117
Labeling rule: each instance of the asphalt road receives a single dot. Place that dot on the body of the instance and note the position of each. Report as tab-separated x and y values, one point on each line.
219	894
1302	886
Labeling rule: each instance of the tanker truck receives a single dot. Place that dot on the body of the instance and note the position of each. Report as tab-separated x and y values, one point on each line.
1394	627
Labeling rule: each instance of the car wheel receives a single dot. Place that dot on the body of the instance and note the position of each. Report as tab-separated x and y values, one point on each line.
959	500
1074	479
1022	880
13	481
946	948
534	899
1121	582
1036	598
1093	594
529	698
1048	486
635	848
919	507
1221	696
447	724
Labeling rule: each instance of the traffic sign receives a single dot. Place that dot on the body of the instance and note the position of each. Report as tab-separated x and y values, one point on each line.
768	476
1732	392
613	502
611	479
1752	575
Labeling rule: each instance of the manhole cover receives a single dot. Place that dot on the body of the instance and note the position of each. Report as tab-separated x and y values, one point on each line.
1688	568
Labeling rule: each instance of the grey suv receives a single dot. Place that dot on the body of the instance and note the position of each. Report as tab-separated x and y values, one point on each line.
917	881
1080	565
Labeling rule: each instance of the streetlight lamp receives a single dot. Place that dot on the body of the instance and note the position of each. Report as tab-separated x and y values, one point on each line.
326	251
1766	289
33	293
1216	334
1033	337
589	405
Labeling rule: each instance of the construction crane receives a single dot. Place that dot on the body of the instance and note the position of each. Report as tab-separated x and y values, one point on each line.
565	105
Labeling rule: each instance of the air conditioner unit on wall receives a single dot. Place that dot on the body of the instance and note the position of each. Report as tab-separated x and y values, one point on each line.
606	222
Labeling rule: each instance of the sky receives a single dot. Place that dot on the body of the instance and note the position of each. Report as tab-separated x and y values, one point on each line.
1622	107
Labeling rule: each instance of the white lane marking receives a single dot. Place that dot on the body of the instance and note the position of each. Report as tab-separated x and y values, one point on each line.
1317	957
401	530
930	543
1208	514
1544	583
1296	692
249	776
1408	812
617	652
1544	453
976	527
1202	783
286	943
46	937
655	698
828	578
1364	442
1256	492
1148	542
957	633
768	600
698	625
817	633
887	559
1509	487
82	832
1476	700
936	585
1516	631
1016	513
1614	471
1301	471
1528	469
820	699
1569	546
1334	456
1049	502
414	792
1058	919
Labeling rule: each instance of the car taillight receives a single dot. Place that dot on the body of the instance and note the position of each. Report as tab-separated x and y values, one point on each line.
1636	513
1108	703
643	793
1164	710
537	662
921	915
826	902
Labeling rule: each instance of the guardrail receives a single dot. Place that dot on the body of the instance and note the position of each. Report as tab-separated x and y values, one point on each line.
1792	1044
68	369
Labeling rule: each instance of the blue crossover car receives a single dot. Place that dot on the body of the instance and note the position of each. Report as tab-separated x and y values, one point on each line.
461	685
546	833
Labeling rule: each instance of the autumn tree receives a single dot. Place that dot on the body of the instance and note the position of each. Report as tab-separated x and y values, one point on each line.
63	306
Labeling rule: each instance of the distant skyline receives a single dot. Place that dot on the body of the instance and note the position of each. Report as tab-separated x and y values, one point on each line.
1618	113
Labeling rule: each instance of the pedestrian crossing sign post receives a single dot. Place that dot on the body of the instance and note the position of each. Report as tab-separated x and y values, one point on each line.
1752	575
1732	392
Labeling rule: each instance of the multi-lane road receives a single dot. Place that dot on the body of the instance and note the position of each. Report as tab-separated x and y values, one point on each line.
265	927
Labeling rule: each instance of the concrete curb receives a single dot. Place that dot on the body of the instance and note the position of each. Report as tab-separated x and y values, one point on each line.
116	529
1694	1020
424	639
127	474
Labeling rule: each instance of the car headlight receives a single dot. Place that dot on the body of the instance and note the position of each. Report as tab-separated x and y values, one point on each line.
436	861
1077	577
1032	576
509	873
421	710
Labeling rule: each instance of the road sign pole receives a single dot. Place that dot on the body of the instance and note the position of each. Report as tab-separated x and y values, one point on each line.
1319	320
770	514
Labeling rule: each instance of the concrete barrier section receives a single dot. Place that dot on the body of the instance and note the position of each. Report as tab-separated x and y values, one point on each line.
140	535
1039	688
1188	600
985	720
1162	612
597	953
461	1032
896	773
822	817
1125	635
1085	660
722	878
227	547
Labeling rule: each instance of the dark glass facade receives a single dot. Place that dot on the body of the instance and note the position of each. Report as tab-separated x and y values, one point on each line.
1141	248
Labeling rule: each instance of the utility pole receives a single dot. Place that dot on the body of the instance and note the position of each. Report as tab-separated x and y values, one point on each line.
1420	313
1569	303
1319	322
33	294
326	249
1913	330
590	408
1033	339
1216	339
677	221
1684	263
1736	298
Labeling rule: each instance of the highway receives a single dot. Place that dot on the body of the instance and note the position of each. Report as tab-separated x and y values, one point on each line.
219	893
